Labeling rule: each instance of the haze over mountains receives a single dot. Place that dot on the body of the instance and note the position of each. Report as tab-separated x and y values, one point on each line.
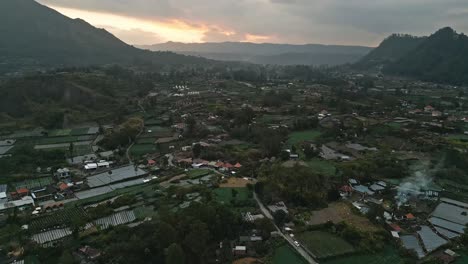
266	53
42	37
441	57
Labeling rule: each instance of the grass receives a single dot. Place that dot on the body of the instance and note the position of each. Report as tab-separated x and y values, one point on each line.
388	256
286	254
301	136
224	195
322	166
60	132
325	245
142	149
79	131
197	173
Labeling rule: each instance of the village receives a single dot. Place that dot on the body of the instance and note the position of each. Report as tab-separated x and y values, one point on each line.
316	173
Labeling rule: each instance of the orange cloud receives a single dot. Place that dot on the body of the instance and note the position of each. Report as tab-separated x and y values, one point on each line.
139	31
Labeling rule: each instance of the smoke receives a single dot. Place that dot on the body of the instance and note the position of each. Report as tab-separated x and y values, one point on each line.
420	180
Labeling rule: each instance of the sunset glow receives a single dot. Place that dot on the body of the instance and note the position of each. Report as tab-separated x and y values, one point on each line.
162	31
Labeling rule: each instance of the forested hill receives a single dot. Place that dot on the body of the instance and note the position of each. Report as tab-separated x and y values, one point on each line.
441	57
34	36
391	49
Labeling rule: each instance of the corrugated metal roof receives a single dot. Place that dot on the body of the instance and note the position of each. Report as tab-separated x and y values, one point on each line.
116	219
51	235
430	239
457	228
411	242
118	174
451	213
446	233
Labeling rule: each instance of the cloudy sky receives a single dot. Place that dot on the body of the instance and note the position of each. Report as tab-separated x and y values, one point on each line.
353	22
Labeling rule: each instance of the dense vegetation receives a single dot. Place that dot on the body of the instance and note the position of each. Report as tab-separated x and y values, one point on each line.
440	57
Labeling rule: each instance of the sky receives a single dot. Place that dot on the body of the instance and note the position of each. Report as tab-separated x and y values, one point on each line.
341	22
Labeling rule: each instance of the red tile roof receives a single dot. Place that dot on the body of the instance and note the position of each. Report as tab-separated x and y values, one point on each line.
22	191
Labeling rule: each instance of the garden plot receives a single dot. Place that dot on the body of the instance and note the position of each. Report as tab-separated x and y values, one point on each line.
325	245
62	217
34	183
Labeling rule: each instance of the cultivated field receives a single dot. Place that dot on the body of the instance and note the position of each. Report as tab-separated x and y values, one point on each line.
388	256
235	183
225	195
341	212
286	254
61	217
324	245
298	137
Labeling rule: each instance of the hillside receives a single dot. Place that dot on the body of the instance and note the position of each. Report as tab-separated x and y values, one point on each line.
442	57
391	49
42	37
266	53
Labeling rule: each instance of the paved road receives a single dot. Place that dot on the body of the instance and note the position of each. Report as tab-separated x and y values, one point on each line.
299	249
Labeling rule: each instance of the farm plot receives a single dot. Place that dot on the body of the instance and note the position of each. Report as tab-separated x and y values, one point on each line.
322	166
197	173
60	132
388	256
301	136
142	149
34	183
236	183
286	254
225	195
325	245
341	212
60	218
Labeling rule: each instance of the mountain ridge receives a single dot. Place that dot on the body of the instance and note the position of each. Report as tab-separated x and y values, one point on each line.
43	37
267	53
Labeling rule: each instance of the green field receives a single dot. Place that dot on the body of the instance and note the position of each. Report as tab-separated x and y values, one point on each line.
322	166
65	139
60	132
142	149
286	255
388	256
57	218
197	173
325	245
34	183
463	259
224	195
298	137
79	131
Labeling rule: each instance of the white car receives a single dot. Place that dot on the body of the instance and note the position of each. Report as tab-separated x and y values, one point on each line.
291	235
296	243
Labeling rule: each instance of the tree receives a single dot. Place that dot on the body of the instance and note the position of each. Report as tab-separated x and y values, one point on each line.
66	258
196	149
175	254
234	193
70	149
280	217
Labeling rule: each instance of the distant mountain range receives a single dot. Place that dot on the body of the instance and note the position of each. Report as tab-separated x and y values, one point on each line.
280	54
441	57
35	36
